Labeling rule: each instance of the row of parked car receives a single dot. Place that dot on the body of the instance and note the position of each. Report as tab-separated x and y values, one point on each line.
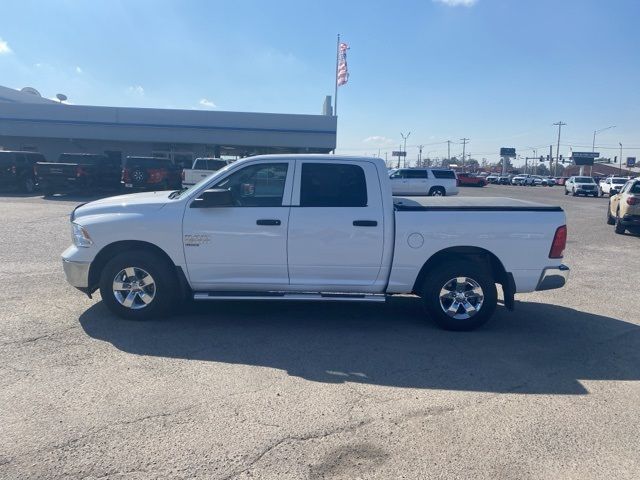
524	180
86	173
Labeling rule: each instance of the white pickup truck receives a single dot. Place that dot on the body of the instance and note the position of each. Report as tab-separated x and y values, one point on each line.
313	227
201	168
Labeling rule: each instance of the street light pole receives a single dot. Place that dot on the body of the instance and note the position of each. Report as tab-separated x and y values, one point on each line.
620	171
405	147
595	132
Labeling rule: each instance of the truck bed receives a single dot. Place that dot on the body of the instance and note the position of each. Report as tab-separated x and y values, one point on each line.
485	204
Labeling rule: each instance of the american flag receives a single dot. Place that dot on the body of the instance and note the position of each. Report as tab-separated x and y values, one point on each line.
343	71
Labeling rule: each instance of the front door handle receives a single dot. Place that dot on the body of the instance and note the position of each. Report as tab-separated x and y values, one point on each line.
365	223
268	221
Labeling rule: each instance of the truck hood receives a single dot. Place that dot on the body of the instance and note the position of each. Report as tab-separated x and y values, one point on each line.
132	203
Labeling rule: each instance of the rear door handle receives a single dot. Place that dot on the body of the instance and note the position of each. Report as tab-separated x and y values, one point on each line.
268	221
365	223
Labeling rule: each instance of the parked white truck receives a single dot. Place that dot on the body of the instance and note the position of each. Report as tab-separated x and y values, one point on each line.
201	168
313	227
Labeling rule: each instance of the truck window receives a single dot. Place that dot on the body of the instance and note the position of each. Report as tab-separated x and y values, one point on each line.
259	185
332	185
444	174
416	174
214	164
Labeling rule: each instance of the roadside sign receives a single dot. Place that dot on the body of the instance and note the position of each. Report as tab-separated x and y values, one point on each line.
507	152
631	161
396	153
584	158
575	155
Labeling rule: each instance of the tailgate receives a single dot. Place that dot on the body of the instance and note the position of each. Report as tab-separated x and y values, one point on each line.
53	170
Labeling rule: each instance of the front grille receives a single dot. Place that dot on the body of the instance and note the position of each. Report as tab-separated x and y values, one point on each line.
587	187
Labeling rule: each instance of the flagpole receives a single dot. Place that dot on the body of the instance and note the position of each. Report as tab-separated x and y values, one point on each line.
335	99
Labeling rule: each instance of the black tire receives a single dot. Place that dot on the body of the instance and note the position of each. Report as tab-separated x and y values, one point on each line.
28	184
619	228
566	192
437	192
573	192
165	285
441	277
610	219
47	191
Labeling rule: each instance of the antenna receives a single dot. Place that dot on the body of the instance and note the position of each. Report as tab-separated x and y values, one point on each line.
61	97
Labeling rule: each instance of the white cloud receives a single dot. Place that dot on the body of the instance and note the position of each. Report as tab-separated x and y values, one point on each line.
207	103
457	3
4	47
378	141
79	71
136	90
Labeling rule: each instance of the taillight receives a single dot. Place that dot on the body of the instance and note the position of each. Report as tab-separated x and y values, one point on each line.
156	175
559	242
125	175
633	200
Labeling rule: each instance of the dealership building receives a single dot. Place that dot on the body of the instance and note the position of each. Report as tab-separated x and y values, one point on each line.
30	122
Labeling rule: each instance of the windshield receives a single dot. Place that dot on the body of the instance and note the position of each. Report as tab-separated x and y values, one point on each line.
186	191
619	181
584	180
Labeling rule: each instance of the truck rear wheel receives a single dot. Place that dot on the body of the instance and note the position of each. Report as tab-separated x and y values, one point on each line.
460	295
138	285
437	192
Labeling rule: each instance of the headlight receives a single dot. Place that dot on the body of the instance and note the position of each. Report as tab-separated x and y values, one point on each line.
80	236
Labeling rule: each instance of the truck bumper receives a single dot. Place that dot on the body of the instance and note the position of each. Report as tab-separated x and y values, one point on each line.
553	277
77	274
631	220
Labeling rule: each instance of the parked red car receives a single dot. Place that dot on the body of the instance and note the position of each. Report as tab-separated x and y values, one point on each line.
470	180
561	180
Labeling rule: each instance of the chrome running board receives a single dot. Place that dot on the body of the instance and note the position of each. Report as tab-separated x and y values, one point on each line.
308	297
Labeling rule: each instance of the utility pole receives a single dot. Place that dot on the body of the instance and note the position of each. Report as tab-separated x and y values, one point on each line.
449	151
551	159
405	147
386	158
420	147
464	144
399	149
559	125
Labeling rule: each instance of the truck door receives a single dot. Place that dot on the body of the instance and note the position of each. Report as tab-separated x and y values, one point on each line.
242	247
336	228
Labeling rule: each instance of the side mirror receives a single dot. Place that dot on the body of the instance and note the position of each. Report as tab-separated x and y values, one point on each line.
215	197
612	192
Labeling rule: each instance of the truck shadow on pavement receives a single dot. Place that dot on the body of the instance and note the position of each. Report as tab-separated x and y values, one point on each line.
536	349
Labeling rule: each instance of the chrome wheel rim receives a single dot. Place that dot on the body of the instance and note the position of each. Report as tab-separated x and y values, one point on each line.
437	193
134	288
461	298
138	176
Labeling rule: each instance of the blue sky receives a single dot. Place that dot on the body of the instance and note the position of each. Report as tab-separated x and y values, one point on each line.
499	72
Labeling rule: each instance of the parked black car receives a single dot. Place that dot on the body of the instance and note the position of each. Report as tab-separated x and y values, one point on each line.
16	169
79	173
150	173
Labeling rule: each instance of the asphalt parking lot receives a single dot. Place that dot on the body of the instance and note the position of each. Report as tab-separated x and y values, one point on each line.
271	390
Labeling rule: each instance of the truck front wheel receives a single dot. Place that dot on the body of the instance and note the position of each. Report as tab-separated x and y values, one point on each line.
460	295
138	285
